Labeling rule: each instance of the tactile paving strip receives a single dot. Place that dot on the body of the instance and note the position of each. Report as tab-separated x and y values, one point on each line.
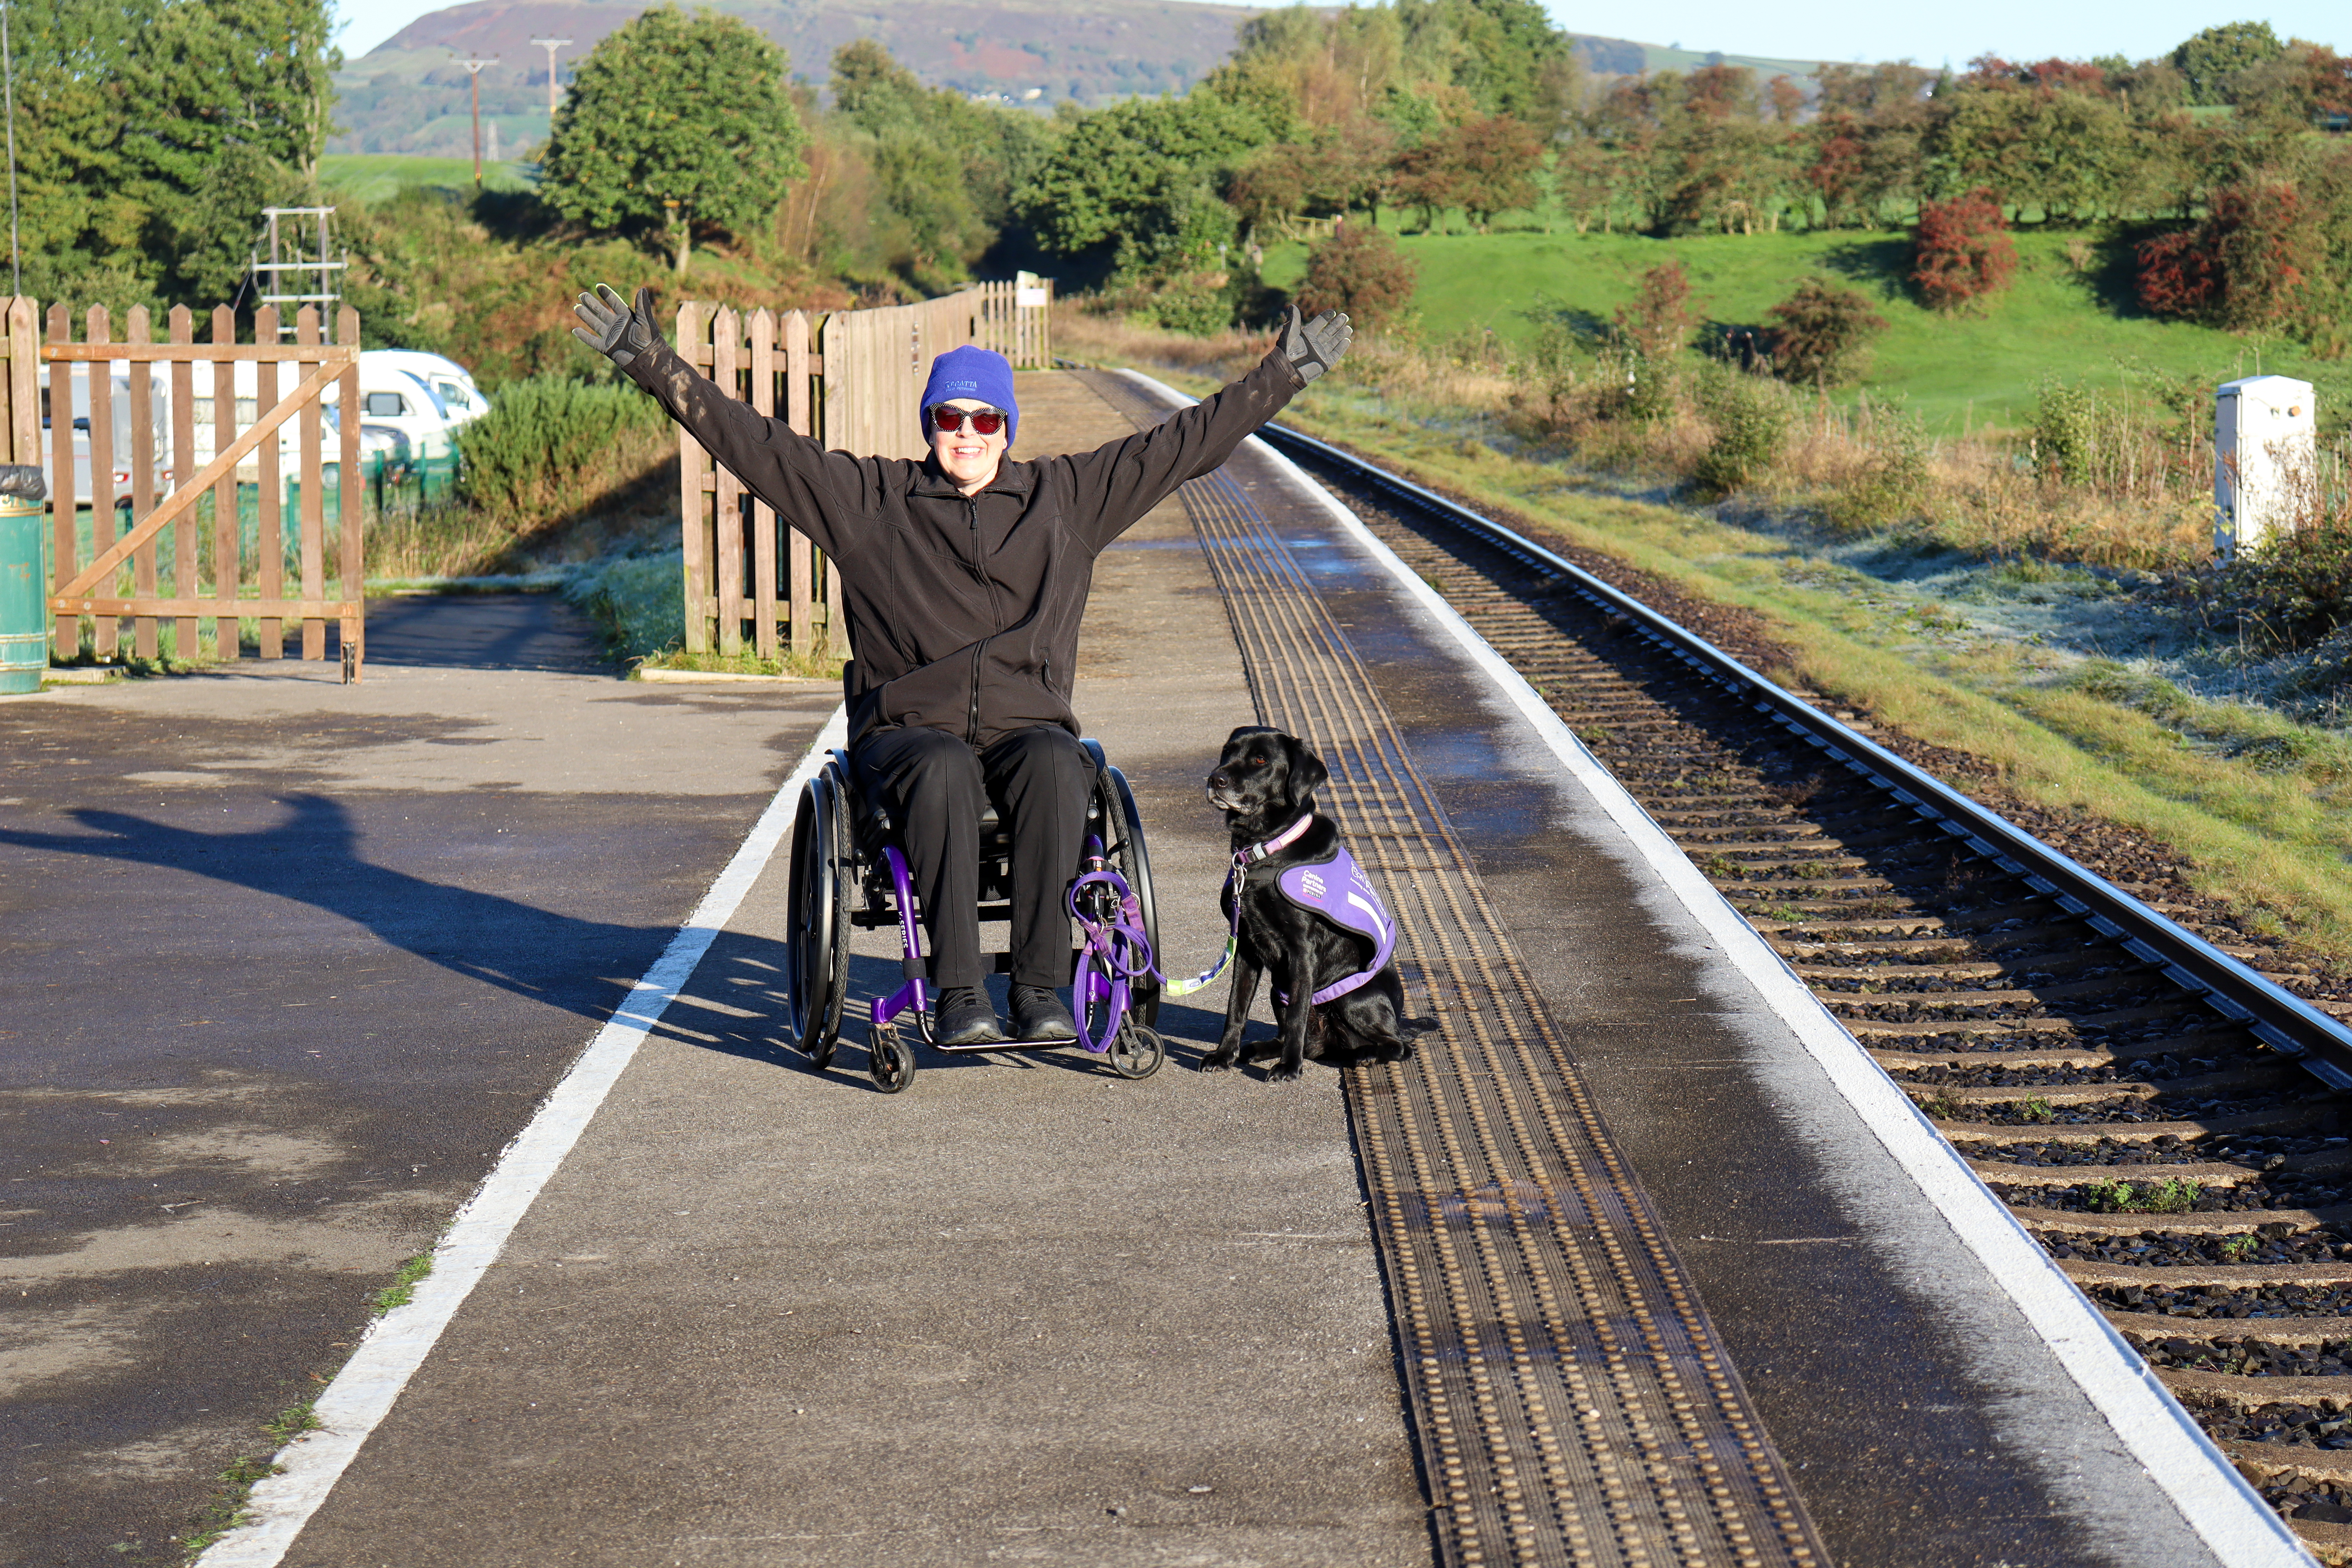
1570	1399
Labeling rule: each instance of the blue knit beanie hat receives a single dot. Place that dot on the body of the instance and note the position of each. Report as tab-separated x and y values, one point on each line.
969	372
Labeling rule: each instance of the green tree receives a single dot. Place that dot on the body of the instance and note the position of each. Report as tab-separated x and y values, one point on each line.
151	134
2211	57
1132	187
1497	50
674	122
946	167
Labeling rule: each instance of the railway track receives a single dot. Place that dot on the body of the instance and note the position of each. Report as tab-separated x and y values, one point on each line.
2166	1120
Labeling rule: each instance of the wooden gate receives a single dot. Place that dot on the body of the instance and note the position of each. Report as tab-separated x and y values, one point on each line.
750	585
206	422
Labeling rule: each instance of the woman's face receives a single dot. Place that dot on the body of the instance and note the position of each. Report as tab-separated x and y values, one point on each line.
965	456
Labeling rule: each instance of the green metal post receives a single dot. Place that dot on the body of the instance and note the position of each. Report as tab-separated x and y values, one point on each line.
24	580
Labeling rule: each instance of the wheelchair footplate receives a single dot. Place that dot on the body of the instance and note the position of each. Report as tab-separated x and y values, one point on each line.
1116	955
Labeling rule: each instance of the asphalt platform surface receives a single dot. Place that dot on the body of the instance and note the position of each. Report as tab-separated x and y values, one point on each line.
283	964
287	962
1025	1312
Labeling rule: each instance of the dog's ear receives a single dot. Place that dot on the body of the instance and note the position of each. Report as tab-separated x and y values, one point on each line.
1307	772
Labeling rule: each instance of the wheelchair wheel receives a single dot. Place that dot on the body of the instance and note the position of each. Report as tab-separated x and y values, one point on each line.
1133	861
1138	1052
889	1059
816	943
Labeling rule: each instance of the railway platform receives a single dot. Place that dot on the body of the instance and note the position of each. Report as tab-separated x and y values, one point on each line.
1638	1261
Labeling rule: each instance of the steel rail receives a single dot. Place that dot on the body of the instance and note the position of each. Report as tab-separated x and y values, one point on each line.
2283	1020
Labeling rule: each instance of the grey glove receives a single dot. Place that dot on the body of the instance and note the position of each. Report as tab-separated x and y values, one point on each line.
1313	347
616	331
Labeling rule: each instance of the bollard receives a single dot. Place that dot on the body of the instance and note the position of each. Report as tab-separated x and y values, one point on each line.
24	581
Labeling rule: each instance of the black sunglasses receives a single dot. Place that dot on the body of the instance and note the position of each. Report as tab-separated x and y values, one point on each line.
985	421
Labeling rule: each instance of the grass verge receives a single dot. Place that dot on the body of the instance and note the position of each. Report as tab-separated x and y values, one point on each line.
2266	829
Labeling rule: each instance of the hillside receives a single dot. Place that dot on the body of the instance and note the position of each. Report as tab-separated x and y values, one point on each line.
1954	372
408	96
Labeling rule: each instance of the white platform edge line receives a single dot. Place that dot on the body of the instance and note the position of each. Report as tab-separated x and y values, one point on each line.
361	1396
2218	1503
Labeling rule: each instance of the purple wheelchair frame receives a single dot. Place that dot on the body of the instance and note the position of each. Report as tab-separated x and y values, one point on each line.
1117	953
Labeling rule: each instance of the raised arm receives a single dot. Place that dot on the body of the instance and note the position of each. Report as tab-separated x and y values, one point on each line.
1119	482
819	493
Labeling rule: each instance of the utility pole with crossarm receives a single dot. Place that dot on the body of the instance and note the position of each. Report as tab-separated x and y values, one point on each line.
474	75
550	46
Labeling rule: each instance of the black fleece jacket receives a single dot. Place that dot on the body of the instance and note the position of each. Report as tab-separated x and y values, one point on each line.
962	613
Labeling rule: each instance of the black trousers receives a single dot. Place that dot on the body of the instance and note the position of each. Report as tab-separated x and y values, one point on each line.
935	786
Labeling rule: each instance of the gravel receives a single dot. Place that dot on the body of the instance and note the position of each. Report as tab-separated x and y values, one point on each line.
2290	1425
2157	1248
2232	1303
2246	1356
2167	1149
2024	1113
2085	1197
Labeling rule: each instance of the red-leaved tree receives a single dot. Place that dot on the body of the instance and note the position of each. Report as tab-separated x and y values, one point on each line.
2179	276
2249	264
1360	270
1961	251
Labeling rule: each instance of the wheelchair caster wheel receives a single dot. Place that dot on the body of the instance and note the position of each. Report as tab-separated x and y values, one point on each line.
891	1061
1137	1052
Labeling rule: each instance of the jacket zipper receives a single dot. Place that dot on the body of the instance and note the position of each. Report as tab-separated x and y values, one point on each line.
972	718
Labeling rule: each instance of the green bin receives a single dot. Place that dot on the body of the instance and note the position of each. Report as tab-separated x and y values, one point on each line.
24	581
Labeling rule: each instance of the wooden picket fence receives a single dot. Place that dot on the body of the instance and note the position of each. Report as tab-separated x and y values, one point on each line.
851	379
218	577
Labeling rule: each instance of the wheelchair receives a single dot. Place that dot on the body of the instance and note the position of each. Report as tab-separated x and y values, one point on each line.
846	875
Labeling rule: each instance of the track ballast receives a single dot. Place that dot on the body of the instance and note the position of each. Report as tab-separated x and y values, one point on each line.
2166	1121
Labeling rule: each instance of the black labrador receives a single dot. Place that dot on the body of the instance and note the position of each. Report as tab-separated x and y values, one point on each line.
1264	783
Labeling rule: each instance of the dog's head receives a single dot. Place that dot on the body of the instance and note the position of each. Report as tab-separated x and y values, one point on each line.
1266	776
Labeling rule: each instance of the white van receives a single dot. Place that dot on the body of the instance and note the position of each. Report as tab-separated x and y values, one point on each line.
377	442
450	381
424	398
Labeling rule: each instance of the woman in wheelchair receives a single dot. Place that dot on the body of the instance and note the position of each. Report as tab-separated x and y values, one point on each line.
964	577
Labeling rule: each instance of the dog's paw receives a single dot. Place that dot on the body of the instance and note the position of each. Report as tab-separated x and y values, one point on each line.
1402	1051
1218	1061
1281	1072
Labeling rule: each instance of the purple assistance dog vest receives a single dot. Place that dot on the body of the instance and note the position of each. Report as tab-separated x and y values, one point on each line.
1339	890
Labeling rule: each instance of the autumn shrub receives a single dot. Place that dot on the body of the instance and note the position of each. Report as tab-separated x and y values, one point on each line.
2179	275
1960	251
1360	270
1822	333
1749	420
1658	320
2251	263
1892	480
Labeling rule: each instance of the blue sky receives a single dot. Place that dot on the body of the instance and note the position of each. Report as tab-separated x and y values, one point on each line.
1828	29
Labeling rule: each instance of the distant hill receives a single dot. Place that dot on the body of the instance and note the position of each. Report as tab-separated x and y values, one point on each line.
408	95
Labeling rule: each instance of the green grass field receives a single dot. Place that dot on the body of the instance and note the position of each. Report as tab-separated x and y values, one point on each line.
1951	371
369	177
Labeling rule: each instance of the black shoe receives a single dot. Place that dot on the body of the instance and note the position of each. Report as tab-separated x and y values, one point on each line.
965	1018
1038	1014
